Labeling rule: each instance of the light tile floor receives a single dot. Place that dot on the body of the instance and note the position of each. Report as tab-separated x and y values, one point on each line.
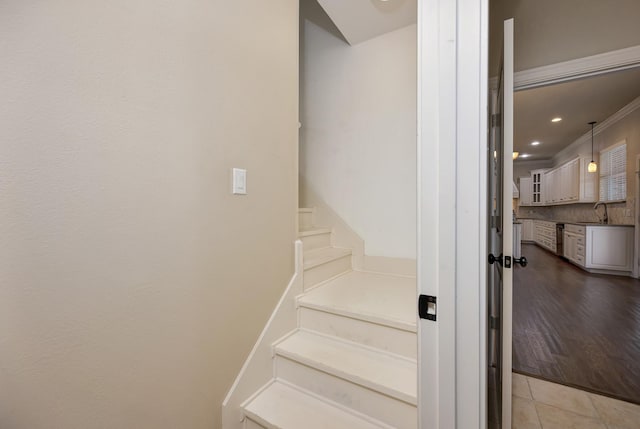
539	404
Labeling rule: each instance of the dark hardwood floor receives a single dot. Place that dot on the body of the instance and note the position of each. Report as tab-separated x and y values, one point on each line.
576	328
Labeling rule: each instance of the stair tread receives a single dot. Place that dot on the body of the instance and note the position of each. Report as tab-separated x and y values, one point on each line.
305	231
305	210
282	406
313	258
389	374
379	298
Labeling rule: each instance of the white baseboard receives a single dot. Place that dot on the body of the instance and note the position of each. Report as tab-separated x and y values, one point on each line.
258	368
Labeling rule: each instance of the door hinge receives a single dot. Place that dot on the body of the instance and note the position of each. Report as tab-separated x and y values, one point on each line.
427	307
494	322
496	120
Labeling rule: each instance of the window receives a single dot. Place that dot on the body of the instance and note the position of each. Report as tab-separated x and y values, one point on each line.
613	172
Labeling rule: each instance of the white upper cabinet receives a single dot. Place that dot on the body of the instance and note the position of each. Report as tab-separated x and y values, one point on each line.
570	183
532	189
526	191
537	178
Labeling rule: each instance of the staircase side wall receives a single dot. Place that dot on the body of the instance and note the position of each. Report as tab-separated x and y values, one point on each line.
258	368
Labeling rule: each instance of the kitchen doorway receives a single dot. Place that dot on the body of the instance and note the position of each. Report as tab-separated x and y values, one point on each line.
575	322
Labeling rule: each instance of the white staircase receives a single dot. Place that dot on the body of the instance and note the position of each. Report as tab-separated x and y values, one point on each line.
351	362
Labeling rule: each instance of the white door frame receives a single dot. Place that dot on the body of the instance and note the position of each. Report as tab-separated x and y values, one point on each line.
452	151
636	250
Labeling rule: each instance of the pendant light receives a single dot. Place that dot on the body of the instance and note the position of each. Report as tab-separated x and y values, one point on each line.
593	167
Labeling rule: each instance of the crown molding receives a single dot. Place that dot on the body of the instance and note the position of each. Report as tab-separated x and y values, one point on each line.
602	126
533	163
594	65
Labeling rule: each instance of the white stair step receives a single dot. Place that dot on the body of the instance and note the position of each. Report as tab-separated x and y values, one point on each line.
284	407
315	237
323	264
392	375
382	337
377	310
371	382
380	298
318	257
305	217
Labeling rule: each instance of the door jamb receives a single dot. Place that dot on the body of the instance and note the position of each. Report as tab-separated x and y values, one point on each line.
636	247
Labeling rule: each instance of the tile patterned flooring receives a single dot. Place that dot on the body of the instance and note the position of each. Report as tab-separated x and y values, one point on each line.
539	404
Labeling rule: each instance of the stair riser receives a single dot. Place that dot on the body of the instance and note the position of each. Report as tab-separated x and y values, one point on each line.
305	219
320	273
389	410
317	241
382	337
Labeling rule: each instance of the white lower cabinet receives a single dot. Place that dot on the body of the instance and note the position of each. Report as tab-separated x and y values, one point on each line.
527	230
573	244
600	248
609	248
545	234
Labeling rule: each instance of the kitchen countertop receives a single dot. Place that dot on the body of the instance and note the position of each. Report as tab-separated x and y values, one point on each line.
577	223
595	224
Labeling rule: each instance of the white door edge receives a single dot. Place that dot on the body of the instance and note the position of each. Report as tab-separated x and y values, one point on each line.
636	253
452	130
507	233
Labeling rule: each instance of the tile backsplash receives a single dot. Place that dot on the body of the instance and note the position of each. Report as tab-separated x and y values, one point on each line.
619	213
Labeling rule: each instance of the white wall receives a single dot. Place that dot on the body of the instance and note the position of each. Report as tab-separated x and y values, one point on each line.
132	284
358	136
523	168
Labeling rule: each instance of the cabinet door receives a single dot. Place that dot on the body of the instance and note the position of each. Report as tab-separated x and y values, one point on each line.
549	187
566	246
527	230
609	248
525	191
564	183
574	180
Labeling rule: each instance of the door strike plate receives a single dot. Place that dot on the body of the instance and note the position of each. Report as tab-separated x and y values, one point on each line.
427	307
507	261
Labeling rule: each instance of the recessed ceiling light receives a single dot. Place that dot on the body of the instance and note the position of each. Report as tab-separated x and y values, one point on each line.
525	155
558	119
535	143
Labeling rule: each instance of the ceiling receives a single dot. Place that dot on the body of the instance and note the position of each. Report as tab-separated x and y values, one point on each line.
360	20
576	102
550	32
546	32
553	31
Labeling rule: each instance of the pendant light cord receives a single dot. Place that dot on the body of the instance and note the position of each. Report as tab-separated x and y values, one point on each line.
592	124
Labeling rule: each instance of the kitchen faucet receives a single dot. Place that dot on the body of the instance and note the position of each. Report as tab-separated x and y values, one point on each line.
606	216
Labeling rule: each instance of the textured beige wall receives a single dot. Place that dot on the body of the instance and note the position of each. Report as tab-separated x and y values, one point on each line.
132	284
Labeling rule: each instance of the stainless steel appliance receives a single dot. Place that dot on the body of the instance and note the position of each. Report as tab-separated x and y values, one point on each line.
559	239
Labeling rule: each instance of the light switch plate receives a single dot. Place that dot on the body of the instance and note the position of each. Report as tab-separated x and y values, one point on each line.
239	181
